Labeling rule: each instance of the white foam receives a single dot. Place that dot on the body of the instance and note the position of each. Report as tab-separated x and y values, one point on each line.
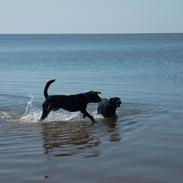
8	116
31	114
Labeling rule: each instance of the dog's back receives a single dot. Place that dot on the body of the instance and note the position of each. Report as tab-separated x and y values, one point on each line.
70	103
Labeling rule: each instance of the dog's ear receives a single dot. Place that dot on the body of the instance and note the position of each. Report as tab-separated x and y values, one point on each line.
115	100
111	100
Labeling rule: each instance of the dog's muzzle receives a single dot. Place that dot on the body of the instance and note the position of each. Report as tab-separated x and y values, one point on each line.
118	103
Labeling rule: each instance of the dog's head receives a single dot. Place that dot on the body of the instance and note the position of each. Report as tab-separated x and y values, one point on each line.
115	101
93	96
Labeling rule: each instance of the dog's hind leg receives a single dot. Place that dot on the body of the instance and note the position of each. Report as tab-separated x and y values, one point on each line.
46	108
44	114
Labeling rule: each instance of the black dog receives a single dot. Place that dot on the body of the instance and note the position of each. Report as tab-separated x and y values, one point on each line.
108	107
70	103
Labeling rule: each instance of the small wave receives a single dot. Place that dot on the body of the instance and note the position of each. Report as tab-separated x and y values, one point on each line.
8	116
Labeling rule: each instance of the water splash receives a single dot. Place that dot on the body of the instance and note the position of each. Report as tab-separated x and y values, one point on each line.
29	104
32	113
8	116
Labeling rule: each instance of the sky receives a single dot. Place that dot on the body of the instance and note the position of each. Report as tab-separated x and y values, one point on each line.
91	16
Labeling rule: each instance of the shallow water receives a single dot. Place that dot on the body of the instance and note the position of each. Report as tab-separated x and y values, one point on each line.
144	144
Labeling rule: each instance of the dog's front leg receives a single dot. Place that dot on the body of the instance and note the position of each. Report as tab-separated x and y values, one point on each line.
85	113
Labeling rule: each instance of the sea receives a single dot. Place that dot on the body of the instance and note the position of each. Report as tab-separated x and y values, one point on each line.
142	145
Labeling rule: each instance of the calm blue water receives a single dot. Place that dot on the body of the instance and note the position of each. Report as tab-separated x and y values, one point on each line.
143	145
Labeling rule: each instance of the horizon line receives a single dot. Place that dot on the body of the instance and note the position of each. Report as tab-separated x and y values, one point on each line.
90	33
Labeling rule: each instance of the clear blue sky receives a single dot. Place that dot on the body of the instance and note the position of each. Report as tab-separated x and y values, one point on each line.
91	16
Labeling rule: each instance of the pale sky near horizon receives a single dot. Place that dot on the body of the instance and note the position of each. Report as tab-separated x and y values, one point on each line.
91	16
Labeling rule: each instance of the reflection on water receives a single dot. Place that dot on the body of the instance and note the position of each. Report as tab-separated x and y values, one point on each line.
113	128
67	138
77	138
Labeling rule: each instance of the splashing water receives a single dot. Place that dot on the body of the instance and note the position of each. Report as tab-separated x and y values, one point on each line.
32	114
29	104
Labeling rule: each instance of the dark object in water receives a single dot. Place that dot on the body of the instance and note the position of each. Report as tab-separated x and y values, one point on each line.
107	107
70	103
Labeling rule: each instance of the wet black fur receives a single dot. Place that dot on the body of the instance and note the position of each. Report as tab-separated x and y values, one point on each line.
70	103
108	107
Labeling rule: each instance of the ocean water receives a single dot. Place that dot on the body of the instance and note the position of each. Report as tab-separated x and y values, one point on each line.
143	145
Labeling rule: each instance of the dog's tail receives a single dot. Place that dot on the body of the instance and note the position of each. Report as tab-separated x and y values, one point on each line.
46	87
